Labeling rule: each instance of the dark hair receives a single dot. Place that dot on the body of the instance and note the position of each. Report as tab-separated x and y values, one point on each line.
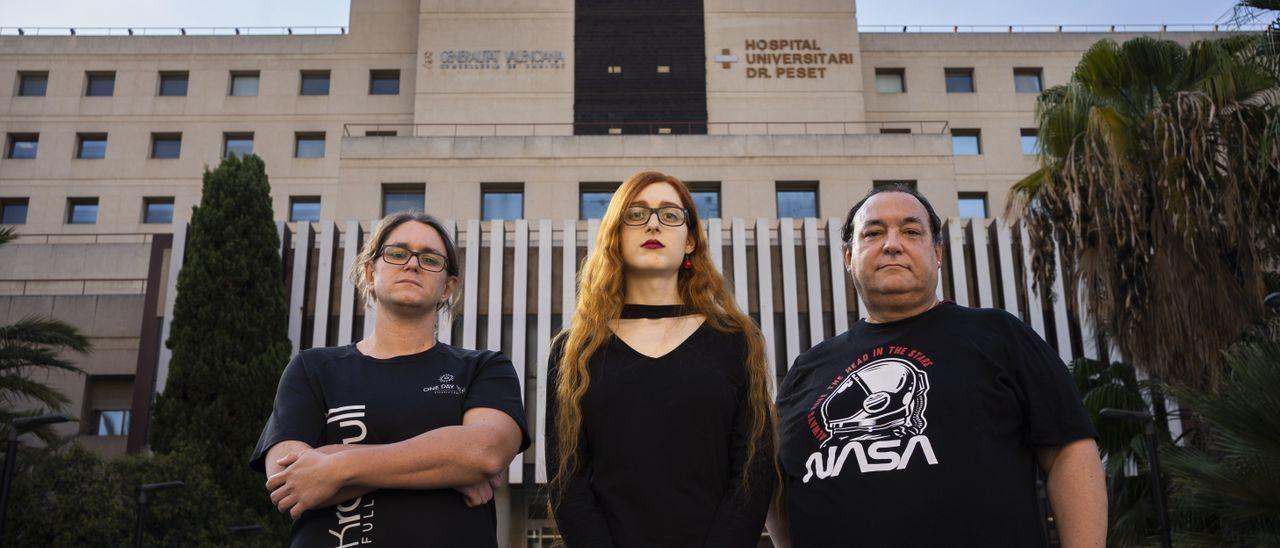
935	223
373	248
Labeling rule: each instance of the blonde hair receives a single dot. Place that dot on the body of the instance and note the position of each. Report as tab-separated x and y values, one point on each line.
373	248
600	295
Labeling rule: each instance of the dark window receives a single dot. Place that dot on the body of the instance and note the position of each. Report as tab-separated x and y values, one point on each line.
308	145
706	198
244	84
314	82
1028	80
891	80
959	80
966	142
797	199
32	84
896	182
593	199
91	146
384	82
173	84
166	145
112	422
1030	141
304	208
501	201
397	197
895	130
391	133
13	211
237	143
100	84
23	146
973	205
157	210
82	211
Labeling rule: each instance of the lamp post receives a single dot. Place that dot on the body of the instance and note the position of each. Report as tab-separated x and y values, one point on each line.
1153	464
142	506
11	457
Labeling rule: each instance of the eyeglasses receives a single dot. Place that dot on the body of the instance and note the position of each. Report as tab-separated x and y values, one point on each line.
668	215
428	260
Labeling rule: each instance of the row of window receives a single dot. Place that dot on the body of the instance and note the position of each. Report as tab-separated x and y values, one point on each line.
795	199
968	142
93	146
959	80
174	83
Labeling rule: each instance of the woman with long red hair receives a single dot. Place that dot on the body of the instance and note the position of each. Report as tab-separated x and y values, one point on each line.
661	429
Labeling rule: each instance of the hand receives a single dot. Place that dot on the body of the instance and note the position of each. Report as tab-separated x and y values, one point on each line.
480	493
309	478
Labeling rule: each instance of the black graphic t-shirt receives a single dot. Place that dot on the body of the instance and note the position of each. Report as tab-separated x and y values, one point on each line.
664	449
338	395
923	432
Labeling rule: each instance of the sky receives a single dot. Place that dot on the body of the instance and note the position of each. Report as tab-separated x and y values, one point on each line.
302	13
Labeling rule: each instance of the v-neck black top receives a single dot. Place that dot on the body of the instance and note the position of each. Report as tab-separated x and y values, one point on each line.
663	448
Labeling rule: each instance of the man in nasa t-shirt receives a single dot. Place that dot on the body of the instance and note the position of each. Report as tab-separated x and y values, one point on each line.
925	423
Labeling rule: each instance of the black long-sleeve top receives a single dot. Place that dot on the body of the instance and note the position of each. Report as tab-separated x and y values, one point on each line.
663	449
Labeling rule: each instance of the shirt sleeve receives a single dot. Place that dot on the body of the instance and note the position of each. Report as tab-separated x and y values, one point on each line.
496	386
578	516
298	413
1053	412
739	519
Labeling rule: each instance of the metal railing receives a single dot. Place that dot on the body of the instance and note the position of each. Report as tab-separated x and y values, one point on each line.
537	129
1144	28
172	31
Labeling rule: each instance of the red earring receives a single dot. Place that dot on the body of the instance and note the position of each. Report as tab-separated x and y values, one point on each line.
687	263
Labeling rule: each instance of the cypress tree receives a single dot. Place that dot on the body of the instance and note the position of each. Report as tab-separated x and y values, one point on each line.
228	335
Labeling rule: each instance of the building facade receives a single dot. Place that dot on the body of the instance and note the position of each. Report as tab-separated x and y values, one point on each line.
527	114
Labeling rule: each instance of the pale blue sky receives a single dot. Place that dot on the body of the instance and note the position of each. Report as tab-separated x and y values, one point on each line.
247	13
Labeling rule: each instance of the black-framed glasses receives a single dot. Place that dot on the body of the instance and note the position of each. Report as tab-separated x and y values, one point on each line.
428	260
668	215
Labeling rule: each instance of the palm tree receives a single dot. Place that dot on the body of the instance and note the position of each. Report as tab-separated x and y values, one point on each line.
1159	183
27	347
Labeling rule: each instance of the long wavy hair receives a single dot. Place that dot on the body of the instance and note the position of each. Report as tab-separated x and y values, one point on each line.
600	295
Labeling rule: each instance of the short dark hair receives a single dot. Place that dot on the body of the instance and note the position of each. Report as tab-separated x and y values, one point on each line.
935	223
373	249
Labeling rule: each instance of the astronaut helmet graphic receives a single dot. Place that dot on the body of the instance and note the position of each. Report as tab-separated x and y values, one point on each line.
883	399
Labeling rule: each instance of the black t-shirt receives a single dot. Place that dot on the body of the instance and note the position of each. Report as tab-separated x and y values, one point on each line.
664	449
338	395
923	432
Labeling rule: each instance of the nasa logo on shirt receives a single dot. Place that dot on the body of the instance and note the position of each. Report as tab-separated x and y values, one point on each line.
876	411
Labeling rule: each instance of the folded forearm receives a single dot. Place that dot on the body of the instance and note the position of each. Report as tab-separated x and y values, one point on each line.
452	456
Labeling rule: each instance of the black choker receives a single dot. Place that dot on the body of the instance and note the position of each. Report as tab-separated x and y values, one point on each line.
653	312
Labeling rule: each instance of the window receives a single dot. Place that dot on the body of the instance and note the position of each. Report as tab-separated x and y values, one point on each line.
797	199
384	82
664	69
237	143
593	199
615	69
112	422
13	211
157	210
173	84
501	201
1028	80
304	208
959	80
895	130
397	197
308	145
1030	141
314	82
966	142
82	211
973	205
244	84
91	146
22	146
166	145
891	80
706	197
391	133
894	182
32	84
100	84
